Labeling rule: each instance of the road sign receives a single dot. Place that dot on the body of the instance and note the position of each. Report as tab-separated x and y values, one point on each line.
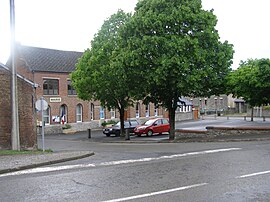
41	106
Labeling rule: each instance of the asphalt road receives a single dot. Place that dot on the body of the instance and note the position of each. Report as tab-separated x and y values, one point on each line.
227	171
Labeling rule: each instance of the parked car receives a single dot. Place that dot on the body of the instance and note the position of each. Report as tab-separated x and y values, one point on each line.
153	126
115	129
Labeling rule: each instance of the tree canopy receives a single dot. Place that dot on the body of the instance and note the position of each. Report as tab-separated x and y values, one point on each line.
175	48
100	73
251	81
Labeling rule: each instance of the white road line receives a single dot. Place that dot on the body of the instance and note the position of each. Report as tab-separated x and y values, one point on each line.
167	157
157	193
47	169
254	174
58	168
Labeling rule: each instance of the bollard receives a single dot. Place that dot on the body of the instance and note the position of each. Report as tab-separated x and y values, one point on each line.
127	134
263	118
245	118
227	117
89	133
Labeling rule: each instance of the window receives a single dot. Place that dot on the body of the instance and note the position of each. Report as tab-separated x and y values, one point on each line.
137	110
134	123
50	87
165	121
46	116
101	113
92	111
147	111
112	113
63	114
71	90
158	122
181	108
79	113
156	110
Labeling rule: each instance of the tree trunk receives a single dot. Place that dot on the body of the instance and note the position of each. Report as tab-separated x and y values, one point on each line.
252	113
122	114
172	123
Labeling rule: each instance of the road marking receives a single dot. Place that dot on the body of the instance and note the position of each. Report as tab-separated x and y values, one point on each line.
157	193
47	169
254	174
167	157
110	163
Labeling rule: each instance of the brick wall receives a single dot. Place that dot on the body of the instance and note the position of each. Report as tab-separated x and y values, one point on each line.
70	101
5	110
27	127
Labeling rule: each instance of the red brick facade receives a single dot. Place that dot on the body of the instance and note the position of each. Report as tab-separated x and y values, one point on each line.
39	65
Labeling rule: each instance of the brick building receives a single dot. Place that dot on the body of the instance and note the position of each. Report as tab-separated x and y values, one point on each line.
26	111
50	70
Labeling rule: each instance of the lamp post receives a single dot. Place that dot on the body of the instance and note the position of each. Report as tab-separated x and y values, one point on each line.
15	136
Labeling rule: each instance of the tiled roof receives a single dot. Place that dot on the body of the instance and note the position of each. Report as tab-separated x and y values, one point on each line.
49	60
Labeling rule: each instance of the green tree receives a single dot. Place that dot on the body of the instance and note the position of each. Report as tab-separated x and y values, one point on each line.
175	47
99	74
252	82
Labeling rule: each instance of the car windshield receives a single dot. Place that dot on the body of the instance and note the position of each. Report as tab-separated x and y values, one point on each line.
134	123
149	122
125	123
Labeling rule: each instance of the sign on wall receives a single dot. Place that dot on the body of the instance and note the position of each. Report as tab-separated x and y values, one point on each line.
55	99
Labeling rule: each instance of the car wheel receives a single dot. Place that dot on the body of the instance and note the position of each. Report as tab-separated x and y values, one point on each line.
149	133
108	135
139	135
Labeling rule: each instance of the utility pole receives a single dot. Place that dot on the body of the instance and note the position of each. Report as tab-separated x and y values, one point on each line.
15	136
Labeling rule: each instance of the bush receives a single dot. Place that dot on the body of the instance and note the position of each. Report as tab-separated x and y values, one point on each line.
66	126
109	122
266	107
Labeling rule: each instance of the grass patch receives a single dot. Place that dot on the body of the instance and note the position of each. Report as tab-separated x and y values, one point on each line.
15	152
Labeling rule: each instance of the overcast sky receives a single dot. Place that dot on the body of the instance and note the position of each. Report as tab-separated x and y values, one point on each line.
71	24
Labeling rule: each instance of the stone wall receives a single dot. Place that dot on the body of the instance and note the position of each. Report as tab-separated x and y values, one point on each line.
183	116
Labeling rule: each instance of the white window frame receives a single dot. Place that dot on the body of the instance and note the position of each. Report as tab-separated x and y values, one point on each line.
156	111
92	110
101	112
79	113
147	110
137	109
112	113
47	115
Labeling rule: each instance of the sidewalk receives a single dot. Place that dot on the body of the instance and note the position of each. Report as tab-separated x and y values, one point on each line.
11	163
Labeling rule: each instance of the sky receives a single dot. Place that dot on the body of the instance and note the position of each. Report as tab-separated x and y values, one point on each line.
71	24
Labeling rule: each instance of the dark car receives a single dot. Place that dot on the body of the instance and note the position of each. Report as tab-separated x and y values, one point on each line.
153	126
115	129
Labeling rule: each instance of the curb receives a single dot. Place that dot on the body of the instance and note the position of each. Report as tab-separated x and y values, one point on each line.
8	170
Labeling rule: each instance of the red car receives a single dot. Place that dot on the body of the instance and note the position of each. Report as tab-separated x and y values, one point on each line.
152	126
